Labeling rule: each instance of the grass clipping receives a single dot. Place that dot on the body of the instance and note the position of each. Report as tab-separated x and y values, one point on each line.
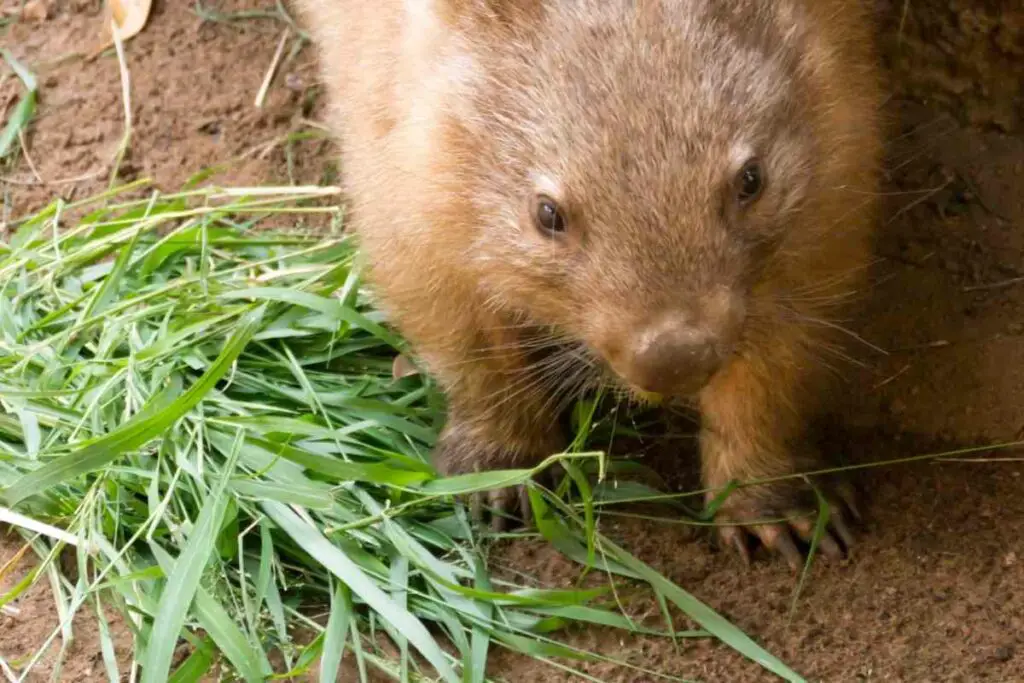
205	414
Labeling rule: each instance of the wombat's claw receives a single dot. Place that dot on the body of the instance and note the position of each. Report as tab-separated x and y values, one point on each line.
505	506
778	537
499	505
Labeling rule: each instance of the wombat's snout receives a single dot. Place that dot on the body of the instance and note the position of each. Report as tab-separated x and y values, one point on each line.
672	357
677	353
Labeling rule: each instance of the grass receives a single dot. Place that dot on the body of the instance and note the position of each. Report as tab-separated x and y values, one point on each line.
203	412
23	111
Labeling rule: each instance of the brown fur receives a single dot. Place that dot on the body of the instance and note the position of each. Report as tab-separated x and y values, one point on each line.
449	110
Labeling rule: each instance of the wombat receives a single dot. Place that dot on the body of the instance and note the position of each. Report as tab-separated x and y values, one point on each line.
665	196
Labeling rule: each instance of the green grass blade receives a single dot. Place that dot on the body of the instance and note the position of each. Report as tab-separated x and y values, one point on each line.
284	492
462	484
108	289
136	432
250	661
707	618
21	71
480	641
266	585
107	645
31	435
183	581
399	581
590	527
314	543
329	307
336	633
25	109
196	665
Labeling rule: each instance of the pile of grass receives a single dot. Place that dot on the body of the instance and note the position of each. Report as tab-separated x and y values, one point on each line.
204	413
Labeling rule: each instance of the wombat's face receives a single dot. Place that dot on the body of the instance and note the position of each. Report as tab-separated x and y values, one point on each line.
641	177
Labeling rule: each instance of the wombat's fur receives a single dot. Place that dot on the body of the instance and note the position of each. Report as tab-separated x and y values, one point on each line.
669	195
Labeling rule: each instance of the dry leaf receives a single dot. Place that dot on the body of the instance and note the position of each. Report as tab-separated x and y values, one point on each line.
129	15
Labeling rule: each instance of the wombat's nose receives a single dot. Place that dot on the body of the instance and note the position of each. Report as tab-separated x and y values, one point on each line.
673	357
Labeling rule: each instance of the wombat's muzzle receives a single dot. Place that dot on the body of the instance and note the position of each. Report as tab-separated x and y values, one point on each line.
672	359
674	354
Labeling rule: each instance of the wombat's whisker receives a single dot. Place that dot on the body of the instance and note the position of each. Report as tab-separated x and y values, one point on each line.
933	142
839	328
836	352
922	127
536	378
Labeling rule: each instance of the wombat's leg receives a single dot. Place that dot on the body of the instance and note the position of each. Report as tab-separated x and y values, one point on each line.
501	415
752	424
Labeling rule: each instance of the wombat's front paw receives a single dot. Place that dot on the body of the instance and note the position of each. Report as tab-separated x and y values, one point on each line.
463	451
774	513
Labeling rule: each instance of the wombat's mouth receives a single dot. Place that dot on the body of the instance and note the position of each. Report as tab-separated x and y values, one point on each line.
575	366
636	394
646	398
682	379
681	389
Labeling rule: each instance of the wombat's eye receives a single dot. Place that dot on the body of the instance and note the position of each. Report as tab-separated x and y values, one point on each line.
750	182
550	219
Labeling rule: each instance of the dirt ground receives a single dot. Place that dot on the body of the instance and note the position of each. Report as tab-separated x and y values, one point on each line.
935	588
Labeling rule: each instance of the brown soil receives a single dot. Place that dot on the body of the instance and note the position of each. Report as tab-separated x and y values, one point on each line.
933	591
961	55
193	88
